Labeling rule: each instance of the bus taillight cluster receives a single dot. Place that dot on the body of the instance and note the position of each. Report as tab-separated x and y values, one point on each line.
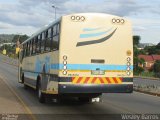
128	66
64	65
77	18
119	21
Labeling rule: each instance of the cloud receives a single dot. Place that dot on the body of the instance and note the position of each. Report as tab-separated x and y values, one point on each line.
138	28
125	7
5	26
29	15
39	12
21	15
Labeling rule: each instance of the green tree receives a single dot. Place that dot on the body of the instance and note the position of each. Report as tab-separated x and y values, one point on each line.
136	40
156	66
136	51
158	46
141	61
137	69
21	38
153	49
142	52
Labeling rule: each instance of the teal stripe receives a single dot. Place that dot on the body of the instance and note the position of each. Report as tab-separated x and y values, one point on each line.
90	29
90	67
94	34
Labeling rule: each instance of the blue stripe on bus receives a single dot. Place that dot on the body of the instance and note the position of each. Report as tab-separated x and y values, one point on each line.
90	29
55	66
94	34
90	67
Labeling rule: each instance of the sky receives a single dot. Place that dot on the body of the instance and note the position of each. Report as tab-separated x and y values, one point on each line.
27	16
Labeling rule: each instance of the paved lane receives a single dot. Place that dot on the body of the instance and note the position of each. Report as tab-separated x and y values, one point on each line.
112	103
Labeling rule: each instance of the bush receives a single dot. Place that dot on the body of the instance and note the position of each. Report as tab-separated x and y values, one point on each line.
156	67
138	70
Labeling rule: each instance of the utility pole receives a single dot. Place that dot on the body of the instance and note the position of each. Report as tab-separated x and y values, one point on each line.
55	7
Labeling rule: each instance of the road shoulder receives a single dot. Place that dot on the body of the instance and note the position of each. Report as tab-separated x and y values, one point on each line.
11	104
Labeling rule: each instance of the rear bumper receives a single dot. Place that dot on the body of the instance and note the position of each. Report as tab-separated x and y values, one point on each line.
95	88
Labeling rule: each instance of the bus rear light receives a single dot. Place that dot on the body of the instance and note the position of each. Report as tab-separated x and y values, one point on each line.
64	72
128	68
113	20
64	62
78	18
73	17
128	73
118	20
64	57
121	21
128	59
64	67
128	63
82	18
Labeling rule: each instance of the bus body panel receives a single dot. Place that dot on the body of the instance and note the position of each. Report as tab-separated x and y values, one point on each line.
113	52
85	55
43	66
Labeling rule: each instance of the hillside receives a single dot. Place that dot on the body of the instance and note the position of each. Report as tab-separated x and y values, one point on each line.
6	37
12	38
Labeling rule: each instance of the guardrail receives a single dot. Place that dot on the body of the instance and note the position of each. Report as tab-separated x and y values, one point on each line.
148	89
150	78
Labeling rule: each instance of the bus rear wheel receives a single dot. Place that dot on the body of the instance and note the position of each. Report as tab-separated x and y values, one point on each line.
41	96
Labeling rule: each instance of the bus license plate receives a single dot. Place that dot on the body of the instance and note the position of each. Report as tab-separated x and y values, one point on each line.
97	72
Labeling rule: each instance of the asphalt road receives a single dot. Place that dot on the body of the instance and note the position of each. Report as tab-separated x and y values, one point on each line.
71	109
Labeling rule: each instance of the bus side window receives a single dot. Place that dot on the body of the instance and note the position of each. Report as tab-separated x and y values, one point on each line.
30	53
24	50
36	45
48	43
55	37
54	30
27	49
58	30
33	47
42	42
39	43
55	42
51	38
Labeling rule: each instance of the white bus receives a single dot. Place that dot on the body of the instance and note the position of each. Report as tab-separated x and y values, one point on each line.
81	55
